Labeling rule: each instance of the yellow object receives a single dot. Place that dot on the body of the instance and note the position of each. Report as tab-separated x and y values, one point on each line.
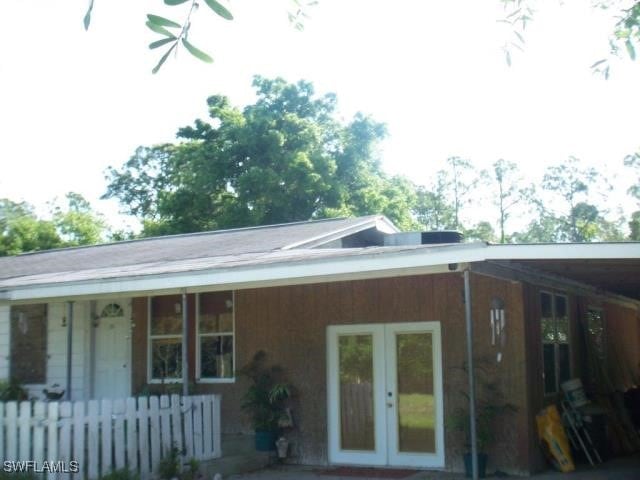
554	439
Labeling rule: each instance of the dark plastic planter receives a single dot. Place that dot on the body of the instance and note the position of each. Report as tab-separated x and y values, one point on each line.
482	465
265	440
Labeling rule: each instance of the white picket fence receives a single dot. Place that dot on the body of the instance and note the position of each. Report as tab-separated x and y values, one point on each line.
103	435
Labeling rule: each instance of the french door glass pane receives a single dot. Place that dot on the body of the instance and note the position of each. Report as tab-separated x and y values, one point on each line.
416	412
356	392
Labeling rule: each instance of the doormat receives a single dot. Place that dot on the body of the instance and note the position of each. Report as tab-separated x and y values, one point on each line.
367	472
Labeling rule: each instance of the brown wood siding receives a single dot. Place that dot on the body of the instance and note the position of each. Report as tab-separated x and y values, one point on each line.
622	330
290	323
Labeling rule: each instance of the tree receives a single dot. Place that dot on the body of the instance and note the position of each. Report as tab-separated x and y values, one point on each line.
78	224
284	158
508	192
22	231
464	179
432	208
570	214
633	161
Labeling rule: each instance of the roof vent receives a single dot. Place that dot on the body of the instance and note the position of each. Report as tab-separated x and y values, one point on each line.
422	238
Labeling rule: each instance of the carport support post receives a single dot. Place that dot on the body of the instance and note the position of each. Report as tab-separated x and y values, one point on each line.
472	382
69	347
185	339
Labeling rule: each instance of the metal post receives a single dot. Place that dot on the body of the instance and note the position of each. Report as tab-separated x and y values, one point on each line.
69	348
185	339
472	383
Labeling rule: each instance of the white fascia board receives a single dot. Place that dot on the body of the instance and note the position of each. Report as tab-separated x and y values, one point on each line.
412	262
564	251
381	223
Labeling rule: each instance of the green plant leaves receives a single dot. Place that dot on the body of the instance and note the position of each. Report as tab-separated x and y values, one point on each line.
196	52
219	9
87	16
164	58
163	22
175	2
630	49
160	30
159	43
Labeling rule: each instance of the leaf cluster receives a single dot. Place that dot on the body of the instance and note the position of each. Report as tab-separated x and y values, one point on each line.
12	390
266	398
491	405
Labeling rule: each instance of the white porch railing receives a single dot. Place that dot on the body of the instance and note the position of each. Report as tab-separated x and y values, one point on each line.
103	435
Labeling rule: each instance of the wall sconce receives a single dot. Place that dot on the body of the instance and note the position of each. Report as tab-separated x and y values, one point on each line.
178	307
228	304
498	324
64	321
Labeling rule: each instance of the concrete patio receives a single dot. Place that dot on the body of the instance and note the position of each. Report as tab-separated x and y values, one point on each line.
627	468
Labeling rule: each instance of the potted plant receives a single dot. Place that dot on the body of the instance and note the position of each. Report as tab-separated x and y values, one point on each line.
490	405
265	401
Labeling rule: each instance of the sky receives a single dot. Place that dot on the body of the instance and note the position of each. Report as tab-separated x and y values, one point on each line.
73	103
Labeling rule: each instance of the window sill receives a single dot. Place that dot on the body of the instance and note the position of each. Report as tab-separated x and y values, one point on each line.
156	381
216	380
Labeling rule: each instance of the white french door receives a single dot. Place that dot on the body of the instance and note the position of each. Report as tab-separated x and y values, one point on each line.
385	394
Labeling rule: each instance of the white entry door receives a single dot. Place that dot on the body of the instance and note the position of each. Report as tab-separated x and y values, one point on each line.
112	351
385	395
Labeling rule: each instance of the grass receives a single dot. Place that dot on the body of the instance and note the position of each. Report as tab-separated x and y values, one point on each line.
416	410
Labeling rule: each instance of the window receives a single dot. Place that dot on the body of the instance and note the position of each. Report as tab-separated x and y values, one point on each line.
554	322
215	350
29	343
165	338
596	329
112	310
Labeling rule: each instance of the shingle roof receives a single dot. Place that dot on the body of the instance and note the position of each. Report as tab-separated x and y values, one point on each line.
177	248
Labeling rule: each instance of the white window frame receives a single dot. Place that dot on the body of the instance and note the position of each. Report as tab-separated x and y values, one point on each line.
199	378
150	339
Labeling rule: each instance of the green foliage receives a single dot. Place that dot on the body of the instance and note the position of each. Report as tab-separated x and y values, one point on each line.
22	231
491	404
508	193
633	161
12	390
121	474
78	224
174	33
625	35
74	224
265	401
284	158
571	213
433	209
482	231
169	466
634	226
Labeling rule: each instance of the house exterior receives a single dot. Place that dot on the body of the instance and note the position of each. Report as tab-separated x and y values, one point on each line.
368	324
